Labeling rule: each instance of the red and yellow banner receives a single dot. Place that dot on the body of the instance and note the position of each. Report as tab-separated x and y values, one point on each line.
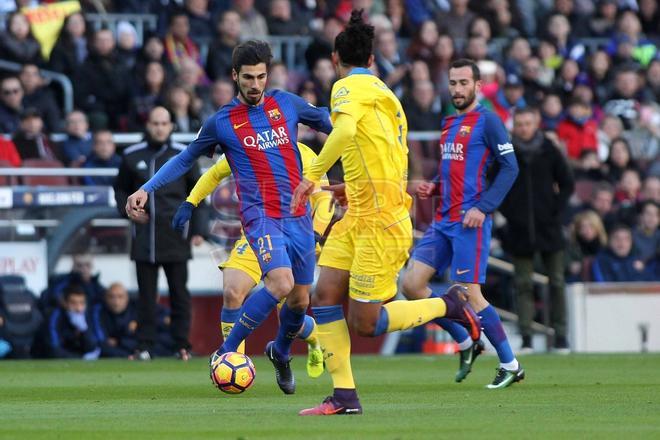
46	22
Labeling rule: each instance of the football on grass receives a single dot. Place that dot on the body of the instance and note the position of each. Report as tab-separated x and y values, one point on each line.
232	372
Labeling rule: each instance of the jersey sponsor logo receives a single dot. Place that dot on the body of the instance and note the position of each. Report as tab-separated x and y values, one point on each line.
341	92
274	114
267	139
452	151
237	126
464	130
505	148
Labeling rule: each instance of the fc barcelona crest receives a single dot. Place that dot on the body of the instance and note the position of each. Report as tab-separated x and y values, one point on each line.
266	257
465	130
274	114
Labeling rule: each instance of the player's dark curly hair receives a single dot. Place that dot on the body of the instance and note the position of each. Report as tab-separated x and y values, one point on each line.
355	43
251	53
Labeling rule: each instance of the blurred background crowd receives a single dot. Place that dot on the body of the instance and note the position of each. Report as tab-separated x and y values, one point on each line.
590	68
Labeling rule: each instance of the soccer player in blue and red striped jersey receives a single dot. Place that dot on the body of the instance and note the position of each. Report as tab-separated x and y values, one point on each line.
257	132
459	238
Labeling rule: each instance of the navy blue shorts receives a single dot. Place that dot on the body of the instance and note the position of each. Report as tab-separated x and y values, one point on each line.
284	242
448	243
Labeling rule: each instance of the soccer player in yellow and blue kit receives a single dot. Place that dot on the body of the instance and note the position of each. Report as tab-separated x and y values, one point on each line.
367	248
241	271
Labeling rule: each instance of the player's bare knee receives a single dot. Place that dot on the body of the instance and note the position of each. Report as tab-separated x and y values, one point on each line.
279	283
232	296
298	303
325	295
365	328
411	288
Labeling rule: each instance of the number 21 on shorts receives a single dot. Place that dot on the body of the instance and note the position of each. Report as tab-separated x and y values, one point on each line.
265	244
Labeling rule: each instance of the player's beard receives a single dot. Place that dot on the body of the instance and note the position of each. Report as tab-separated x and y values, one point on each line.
250	100
467	100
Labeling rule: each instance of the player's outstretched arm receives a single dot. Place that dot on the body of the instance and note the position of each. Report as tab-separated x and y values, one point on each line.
317	118
203	187
209	181
174	168
342	135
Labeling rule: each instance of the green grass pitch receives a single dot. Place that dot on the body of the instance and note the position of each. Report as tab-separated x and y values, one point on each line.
404	397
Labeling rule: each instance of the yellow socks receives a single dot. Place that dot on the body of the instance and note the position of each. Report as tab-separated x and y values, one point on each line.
403	315
225	328
336	342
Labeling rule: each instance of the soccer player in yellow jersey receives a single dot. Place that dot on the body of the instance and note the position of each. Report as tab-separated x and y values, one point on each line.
241	271
366	250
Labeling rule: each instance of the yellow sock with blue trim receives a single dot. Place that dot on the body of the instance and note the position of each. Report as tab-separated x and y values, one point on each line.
336	342
402	315
227	319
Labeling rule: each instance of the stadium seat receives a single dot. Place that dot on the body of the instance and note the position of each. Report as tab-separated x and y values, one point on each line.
44	180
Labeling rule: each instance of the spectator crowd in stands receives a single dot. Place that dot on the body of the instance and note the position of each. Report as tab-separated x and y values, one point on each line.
591	68
83	319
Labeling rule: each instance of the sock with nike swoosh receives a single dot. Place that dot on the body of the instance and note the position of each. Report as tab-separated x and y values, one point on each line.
253	312
494	331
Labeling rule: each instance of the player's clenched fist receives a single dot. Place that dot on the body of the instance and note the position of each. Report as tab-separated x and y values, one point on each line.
135	206
425	189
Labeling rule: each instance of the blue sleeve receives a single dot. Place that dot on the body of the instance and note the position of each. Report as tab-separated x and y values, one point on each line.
317	118
497	140
203	144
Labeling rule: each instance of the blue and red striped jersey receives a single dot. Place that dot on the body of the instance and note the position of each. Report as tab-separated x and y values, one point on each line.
469	144
259	143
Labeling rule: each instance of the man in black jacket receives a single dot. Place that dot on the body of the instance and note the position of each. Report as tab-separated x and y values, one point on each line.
114	323
102	88
154	242
533	211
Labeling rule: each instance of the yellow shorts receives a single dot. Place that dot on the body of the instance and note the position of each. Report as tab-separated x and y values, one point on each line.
373	249
242	258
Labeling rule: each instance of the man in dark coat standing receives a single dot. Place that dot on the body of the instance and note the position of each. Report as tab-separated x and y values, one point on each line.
154	242
533	211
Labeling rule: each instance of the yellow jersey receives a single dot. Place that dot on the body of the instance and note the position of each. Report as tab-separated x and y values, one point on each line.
376	162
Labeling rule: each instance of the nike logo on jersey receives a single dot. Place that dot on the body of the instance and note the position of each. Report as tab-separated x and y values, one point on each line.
461	272
237	126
